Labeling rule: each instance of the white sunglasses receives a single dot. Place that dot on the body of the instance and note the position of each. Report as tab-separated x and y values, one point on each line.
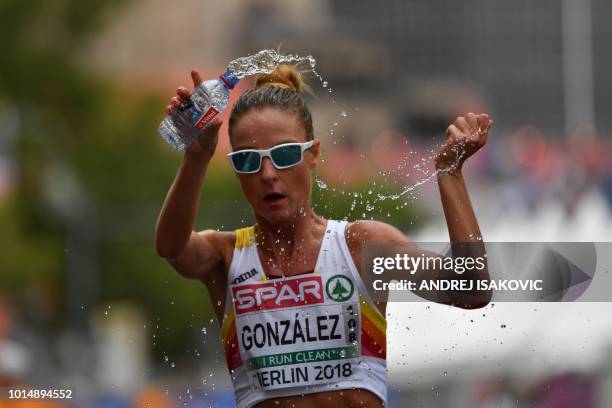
283	156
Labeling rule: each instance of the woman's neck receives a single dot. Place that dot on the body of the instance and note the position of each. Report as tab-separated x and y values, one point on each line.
282	238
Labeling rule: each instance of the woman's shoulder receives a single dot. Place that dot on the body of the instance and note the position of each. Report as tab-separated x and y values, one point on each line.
361	231
222	241
219	238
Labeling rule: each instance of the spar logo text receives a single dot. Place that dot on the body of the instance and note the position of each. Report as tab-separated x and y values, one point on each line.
278	295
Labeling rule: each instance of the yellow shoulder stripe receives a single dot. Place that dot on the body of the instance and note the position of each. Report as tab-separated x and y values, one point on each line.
245	237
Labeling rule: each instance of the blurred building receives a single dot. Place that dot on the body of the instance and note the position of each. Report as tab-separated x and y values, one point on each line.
443	56
413	64
151	43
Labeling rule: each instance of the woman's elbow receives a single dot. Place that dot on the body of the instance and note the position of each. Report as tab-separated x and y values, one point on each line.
166	251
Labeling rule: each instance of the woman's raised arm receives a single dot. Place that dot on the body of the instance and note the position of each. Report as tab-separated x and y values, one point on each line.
464	137
192	254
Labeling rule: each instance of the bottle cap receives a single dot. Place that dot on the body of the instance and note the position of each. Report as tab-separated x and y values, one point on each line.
229	79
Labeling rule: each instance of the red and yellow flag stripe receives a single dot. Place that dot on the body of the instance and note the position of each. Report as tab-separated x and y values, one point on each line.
373	331
230	342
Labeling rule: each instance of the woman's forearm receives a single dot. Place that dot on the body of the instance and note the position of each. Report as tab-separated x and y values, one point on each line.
177	217
465	236
464	137
460	217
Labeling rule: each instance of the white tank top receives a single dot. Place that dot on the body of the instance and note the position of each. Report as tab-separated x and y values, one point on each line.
302	334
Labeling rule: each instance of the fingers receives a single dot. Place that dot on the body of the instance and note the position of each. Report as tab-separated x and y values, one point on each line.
464	137
216	123
473	125
472	120
462	124
183	93
175	101
196	78
454	134
484	123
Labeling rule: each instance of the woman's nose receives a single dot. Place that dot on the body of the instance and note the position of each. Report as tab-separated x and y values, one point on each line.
268	171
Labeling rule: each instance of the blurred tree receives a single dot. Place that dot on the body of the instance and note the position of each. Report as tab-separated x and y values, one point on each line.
85	151
90	164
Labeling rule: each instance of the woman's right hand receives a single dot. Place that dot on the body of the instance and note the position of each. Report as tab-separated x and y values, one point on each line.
206	142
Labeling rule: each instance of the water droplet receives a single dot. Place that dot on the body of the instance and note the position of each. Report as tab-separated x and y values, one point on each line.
320	183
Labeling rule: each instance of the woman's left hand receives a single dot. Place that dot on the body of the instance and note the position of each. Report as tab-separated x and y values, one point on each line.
463	138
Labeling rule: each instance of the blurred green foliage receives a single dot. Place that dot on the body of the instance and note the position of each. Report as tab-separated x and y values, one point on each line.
87	152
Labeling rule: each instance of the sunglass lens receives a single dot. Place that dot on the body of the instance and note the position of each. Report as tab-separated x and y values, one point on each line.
285	156
246	162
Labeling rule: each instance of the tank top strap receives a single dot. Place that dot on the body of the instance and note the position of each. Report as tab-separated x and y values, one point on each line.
245	237
244	255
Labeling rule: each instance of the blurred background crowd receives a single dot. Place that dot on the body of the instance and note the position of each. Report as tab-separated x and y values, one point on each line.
86	304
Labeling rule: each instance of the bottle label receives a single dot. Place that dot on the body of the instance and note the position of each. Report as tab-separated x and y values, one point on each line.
206	118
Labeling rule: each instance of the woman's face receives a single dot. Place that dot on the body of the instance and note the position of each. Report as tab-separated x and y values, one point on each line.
275	195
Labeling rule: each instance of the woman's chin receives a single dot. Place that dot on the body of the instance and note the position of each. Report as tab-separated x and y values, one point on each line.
279	215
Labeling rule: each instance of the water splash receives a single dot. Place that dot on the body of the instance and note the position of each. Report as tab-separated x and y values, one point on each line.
265	61
373	196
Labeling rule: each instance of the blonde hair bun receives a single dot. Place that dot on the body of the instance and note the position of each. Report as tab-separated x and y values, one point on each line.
284	76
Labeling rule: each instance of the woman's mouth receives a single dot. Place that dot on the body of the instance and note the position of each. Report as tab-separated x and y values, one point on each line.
275	199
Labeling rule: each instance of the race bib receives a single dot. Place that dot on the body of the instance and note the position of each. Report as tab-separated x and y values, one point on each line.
298	331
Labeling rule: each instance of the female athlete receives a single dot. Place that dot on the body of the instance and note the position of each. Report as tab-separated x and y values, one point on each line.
299	326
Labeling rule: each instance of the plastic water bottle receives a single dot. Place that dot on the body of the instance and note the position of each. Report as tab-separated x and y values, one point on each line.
207	100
